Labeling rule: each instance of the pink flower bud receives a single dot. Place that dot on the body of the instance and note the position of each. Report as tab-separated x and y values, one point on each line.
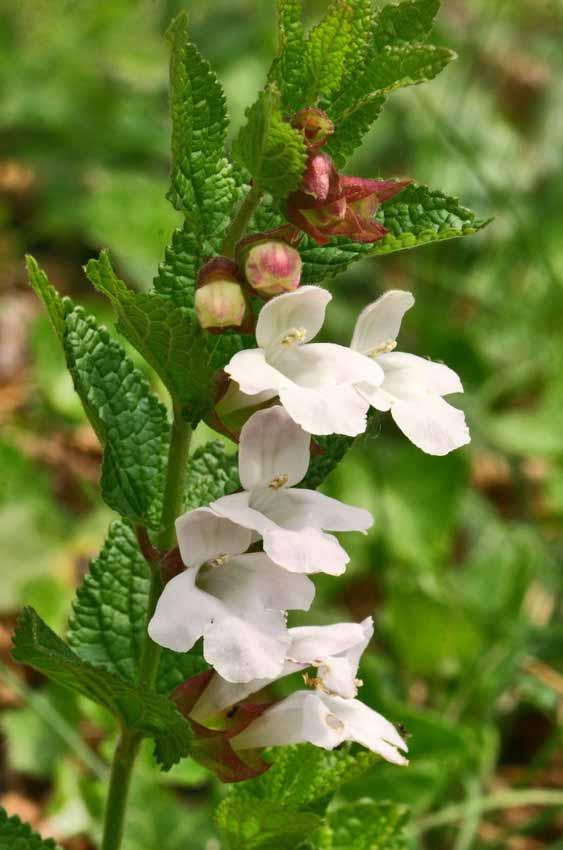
220	302
273	267
315	124
220	305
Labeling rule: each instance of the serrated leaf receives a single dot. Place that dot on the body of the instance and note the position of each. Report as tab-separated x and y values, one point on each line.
249	825
418	216
177	274
287	70
139	710
16	835
213	473
201	183
129	420
403	22
47	294
394	67
361	27
368	825
302	775
326	50
273	152
332	450
351	129
107	625
169	338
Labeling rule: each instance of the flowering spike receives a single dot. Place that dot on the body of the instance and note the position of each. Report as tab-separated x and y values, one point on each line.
315	124
220	302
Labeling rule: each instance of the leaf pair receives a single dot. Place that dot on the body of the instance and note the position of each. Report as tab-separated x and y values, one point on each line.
290	804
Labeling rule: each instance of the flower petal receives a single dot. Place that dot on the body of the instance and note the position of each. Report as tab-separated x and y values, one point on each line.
367	727
203	536
253	581
272	445
320	511
306	551
431	424
301	717
183	612
252	373
380	322
407	375
323	363
236	507
246	647
303	309
310	644
326	410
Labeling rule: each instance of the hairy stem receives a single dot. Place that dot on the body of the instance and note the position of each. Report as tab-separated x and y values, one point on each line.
129	742
239	223
503	800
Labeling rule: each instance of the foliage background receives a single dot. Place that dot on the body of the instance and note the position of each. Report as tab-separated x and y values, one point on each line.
463	569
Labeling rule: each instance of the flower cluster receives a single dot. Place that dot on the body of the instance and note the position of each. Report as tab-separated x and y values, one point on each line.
247	557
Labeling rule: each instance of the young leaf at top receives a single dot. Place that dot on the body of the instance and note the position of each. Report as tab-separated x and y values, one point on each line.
418	216
136	708
398	23
327	48
107	625
287	70
201	183
169	338
273	152
16	835
128	419
202	186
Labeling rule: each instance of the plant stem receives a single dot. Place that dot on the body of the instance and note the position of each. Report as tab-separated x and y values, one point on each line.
240	222
120	781
503	800
129	742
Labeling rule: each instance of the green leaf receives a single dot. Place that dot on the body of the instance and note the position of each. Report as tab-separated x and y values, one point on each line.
201	182
248	825
273	152
287	70
177	274
213	473
351	129
394	67
47	293
368	825
15	835
417	216
303	775
361	27
408	21
129	420
332	450
169	338
326	51
107	625
138	709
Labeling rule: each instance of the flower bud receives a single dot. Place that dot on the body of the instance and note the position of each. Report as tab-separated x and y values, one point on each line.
315	124
220	302
273	267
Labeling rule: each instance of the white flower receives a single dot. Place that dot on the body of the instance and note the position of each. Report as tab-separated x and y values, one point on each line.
413	387
236	602
335	650
314	381
273	456
325	721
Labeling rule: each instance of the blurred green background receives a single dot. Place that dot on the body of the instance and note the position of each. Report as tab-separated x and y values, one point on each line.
463	568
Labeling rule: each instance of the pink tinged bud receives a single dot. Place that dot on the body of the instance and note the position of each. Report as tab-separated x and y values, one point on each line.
315	124
273	267
321	178
220	302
